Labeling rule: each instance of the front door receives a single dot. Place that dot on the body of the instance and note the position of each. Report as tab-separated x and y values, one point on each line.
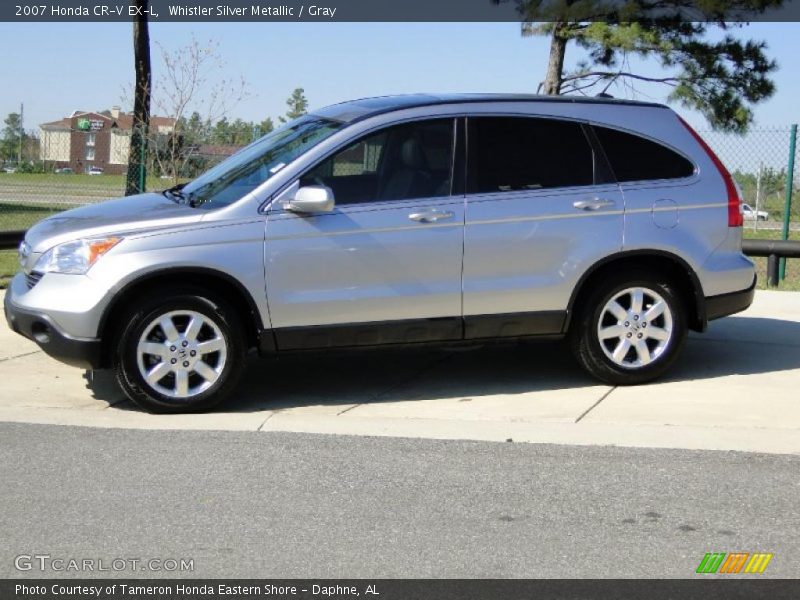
385	265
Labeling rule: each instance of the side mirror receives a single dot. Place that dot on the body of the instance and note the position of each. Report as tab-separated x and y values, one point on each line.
311	199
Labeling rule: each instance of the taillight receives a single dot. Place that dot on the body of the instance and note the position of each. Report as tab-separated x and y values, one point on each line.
735	216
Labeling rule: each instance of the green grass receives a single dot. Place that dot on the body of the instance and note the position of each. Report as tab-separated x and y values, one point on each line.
8	266
14	216
73	181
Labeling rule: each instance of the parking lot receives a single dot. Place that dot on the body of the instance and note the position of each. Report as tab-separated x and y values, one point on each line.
735	388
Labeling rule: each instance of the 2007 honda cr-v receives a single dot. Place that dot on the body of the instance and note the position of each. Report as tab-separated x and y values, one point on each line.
399	220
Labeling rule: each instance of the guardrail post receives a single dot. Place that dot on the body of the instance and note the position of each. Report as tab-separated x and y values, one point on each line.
772	270
787	207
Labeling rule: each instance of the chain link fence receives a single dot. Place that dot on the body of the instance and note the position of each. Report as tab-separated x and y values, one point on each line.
66	167
759	162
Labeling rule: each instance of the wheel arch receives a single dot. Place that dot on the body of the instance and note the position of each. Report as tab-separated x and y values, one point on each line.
213	280
679	271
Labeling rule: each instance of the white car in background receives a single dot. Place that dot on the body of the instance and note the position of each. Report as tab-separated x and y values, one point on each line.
754	215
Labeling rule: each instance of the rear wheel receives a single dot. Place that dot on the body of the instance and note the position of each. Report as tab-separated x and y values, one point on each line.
630	330
183	352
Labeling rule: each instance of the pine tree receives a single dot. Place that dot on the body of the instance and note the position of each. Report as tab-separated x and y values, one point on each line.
298	105
722	79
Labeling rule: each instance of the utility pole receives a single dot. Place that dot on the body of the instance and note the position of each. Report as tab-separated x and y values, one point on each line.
758	194
21	132
135	182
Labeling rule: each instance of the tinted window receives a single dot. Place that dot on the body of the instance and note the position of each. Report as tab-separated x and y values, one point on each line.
509	154
634	158
403	162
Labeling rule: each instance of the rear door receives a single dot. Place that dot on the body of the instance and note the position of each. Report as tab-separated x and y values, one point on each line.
385	265
541	208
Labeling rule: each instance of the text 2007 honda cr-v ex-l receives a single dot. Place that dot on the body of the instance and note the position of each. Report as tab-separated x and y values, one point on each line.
399	220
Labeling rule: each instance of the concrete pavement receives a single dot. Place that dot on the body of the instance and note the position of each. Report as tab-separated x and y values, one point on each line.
735	388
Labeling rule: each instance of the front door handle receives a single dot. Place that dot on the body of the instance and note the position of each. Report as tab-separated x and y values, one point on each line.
593	204
431	216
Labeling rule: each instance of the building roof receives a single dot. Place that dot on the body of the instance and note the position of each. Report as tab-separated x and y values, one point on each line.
60	124
216	149
367	107
124	121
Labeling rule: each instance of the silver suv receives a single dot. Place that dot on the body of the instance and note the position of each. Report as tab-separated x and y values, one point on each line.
399	220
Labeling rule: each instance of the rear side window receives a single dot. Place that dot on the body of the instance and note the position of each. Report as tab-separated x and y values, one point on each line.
634	158
518	153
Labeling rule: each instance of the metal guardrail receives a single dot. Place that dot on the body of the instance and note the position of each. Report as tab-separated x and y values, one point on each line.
10	240
774	250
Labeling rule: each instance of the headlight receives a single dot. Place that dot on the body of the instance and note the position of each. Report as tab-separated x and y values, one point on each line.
75	257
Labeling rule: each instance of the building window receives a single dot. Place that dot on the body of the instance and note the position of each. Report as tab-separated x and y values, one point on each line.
90	137
89	153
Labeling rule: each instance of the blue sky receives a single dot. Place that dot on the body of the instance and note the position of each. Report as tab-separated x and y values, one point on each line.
56	68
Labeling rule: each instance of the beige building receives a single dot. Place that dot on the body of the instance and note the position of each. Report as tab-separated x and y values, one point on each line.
93	139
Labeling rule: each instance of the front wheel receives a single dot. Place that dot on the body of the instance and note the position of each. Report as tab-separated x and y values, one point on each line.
630	330
183	352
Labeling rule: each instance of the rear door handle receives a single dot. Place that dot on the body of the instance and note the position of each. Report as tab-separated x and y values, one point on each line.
593	204
431	215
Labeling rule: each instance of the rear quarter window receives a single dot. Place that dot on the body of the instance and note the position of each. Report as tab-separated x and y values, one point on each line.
634	158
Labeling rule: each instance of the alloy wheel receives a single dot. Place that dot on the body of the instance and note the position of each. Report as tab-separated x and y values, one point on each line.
635	327
181	353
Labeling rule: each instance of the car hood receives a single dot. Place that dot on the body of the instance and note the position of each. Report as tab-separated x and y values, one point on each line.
132	214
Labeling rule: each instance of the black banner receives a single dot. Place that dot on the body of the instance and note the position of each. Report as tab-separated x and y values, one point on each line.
400	589
392	10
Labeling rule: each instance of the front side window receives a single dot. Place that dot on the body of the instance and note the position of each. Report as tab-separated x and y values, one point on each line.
243	172
634	158
508	154
403	162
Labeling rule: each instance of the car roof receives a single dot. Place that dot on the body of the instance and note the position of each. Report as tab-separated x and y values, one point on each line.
356	110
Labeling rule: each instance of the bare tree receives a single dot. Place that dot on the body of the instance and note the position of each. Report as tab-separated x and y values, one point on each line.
134	183
194	87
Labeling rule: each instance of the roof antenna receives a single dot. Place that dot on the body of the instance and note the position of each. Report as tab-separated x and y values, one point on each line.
603	95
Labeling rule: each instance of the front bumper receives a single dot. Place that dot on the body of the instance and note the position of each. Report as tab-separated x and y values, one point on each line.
728	304
78	352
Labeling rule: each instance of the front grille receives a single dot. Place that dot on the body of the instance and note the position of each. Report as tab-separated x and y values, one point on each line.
33	278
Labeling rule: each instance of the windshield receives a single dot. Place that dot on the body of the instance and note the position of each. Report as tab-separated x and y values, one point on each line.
251	166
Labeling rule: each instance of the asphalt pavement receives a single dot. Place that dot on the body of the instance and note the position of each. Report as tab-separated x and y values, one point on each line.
307	505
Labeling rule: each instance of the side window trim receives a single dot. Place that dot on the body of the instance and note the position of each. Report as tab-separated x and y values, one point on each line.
458	173
603	173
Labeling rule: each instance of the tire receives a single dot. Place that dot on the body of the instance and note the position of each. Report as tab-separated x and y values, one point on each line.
195	364
619	358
